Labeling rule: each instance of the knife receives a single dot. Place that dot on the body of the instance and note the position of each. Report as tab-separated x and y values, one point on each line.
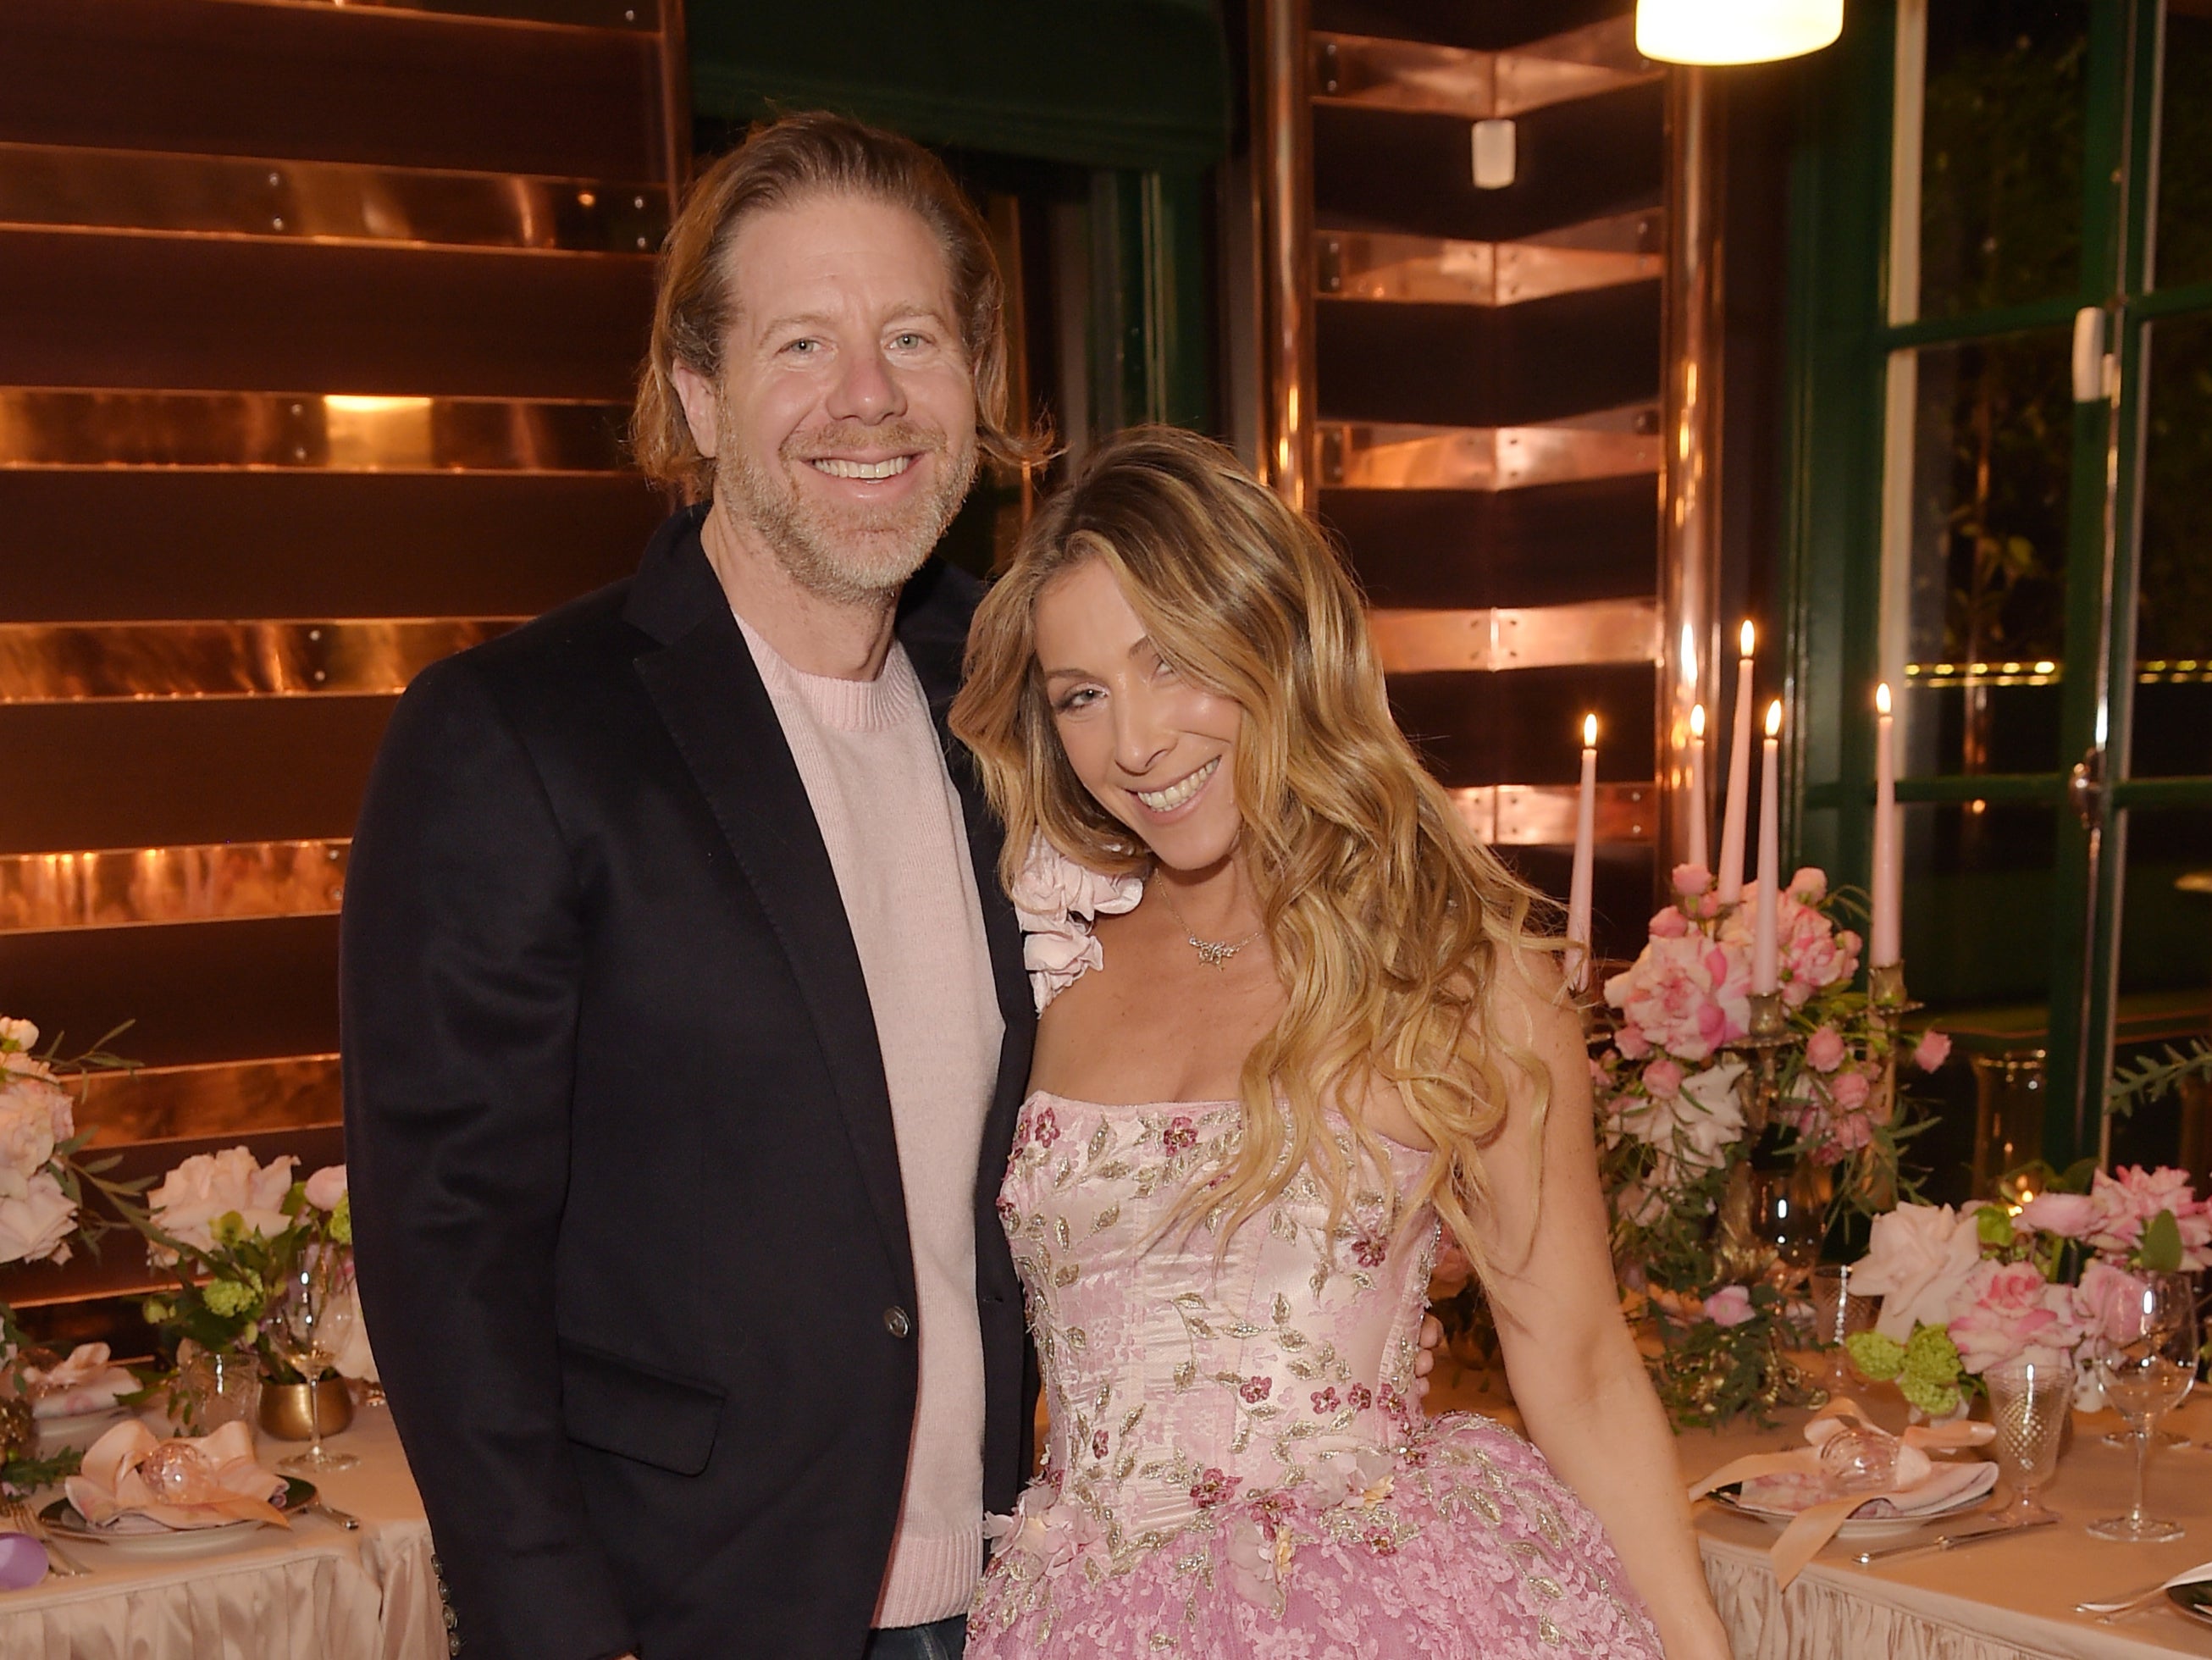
1949	1540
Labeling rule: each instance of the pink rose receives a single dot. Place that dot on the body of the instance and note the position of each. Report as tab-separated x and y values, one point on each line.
1632	1043
1849	1090
1729	1306
2009	1307
1851	1132
1688	994
2108	1305
2069	1215
1824	1049
1933	1049
1809	886
1918	1258
2126	1202
327	1187
1668	924
1662	1078
1690	881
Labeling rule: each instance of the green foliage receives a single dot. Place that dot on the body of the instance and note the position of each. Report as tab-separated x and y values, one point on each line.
23	1475
2152	1079
1879	1358
2159	1249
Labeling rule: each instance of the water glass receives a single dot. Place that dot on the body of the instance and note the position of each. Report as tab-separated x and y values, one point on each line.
1789	1220
2031	1397
1838	1312
2146	1374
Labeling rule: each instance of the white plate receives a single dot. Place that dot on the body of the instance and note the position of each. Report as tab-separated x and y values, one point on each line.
79	1430
1856	1528
62	1520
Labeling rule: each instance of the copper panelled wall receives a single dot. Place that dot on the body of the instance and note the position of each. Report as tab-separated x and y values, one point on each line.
1485	351
318	324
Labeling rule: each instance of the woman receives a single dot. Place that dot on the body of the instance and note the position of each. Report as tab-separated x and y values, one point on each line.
1311	1022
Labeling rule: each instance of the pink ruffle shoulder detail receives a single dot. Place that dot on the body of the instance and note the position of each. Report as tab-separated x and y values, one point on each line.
1057	901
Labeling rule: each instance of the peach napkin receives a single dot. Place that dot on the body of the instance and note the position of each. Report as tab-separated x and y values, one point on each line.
84	1382
133	1483
1795	1480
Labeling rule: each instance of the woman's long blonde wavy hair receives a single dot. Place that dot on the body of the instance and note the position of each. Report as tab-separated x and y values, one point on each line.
1389	925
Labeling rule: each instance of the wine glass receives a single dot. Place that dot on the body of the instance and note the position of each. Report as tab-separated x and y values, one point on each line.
313	1317
1790	1220
2145	1377
2031	1397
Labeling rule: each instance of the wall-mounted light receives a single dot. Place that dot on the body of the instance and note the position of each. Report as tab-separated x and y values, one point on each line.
1493	154
1734	31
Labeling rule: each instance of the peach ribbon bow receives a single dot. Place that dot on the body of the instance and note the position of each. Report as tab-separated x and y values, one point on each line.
1816	1525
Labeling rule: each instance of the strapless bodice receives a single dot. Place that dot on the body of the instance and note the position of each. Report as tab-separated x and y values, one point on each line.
1178	1376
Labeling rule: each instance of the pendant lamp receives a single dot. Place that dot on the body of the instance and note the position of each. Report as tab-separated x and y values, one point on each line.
1734	31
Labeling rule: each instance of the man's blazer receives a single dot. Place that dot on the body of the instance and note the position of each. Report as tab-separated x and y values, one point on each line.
632	1242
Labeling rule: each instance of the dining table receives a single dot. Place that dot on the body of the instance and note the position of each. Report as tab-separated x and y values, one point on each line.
315	1591
2008	1596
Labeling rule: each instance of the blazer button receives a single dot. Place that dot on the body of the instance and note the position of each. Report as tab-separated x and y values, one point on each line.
897	1321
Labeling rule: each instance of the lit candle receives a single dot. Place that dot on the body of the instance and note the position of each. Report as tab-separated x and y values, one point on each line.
1698	851
1765	954
1578	890
1738	782
1884	944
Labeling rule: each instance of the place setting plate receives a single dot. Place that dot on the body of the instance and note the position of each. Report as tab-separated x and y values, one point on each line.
2193	1600
62	1520
1862	1529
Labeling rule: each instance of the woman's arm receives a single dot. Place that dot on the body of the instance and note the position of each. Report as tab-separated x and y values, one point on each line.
1576	1374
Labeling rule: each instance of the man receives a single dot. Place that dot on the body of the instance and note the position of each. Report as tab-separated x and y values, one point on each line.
685	1021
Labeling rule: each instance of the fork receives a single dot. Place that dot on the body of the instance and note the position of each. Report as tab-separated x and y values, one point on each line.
20	1516
2108	1613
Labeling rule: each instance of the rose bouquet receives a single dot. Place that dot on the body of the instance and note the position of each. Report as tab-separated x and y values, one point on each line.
1685	1105
231	1229
1967	1290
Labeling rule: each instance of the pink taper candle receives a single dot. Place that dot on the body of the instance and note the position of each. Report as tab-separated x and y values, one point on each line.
1738	782
1698	852
1884	946
1765	953
1579	889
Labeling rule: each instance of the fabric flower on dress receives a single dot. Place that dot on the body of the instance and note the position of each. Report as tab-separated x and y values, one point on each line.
1057	901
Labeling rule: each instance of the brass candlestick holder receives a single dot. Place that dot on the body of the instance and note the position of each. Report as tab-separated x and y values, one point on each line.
1759	1082
1888	1004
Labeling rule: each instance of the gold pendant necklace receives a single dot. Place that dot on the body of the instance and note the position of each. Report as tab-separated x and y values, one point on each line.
1212	953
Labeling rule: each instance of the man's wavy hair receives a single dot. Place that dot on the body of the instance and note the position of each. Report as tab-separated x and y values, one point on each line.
1390	925
782	163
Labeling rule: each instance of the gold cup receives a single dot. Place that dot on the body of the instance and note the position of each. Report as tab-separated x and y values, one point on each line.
288	1411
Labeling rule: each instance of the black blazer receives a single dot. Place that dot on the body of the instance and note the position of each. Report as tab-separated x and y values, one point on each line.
632	1242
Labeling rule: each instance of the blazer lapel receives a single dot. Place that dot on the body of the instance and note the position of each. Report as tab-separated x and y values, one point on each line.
702	681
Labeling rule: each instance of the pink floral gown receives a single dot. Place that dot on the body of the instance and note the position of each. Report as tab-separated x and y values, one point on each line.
1237	1466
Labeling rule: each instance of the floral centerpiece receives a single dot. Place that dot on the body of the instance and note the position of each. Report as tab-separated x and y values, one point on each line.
1686	1101
1963	1291
231	1229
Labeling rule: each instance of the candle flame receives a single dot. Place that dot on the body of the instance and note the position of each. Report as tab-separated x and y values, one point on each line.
1749	636
1881	698
1696	720
1774	718
1590	732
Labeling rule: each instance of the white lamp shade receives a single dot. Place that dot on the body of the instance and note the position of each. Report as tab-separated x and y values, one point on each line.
1734	31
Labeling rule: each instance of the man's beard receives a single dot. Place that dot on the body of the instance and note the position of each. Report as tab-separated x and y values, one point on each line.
849	555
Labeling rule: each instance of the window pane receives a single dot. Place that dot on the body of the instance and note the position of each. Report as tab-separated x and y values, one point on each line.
2165	970
1977	899
2001	153
2174	612
1992	468
2184	162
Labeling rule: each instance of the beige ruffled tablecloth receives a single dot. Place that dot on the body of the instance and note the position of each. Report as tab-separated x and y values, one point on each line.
316	1593
1994	1601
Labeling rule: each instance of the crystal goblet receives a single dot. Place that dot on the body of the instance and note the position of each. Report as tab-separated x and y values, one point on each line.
2031	1397
2148	1371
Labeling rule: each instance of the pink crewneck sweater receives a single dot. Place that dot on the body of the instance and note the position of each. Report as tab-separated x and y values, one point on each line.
868	755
